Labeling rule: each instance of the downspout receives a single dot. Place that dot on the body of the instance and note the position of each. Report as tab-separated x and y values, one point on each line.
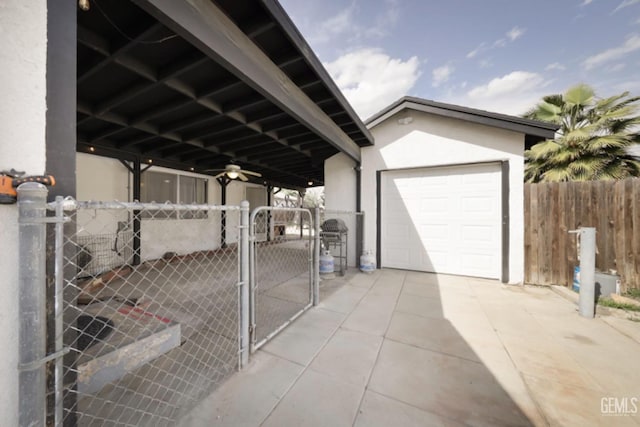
358	170
359	218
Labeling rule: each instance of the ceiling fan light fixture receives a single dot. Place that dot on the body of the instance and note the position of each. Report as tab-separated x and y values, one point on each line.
232	174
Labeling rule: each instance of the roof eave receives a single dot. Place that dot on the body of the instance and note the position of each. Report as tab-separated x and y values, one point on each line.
502	121
303	47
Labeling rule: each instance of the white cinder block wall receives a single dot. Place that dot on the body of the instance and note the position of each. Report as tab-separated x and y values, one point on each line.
105	179
23	61
430	140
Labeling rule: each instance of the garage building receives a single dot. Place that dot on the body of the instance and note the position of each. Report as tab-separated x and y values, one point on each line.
442	188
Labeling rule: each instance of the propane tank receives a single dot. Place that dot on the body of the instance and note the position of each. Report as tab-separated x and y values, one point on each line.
326	264
367	262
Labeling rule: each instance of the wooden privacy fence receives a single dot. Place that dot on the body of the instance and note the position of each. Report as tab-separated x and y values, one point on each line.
552	209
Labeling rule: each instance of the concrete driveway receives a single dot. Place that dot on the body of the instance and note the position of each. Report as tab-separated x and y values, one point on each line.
400	348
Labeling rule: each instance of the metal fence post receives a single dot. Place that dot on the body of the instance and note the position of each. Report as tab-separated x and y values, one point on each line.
587	271
316	257
244	279
32	199
58	310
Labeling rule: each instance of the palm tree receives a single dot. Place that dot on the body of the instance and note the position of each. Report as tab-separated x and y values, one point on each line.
592	142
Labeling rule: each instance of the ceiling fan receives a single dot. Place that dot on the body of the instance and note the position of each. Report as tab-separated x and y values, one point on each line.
234	171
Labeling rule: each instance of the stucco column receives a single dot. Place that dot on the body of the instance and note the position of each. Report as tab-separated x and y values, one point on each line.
23	67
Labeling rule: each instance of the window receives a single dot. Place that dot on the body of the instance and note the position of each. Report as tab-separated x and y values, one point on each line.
164	187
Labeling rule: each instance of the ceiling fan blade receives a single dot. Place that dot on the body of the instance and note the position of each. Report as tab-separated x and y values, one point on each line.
214	170
251	173
243	177
220	174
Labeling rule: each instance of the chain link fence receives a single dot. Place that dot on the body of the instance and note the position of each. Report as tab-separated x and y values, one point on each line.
282	269
150	309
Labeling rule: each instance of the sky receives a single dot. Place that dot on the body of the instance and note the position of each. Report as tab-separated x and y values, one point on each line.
495	55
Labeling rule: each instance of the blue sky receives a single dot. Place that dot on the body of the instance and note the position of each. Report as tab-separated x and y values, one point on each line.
497	55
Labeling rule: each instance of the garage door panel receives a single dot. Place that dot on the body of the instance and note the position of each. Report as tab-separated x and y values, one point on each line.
478	234
433	205
398	231
433	259
399	257
433	233
476	262
478	205
451	218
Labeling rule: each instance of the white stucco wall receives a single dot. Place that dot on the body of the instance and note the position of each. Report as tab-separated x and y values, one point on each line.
104	179
23	37
430	140
340	174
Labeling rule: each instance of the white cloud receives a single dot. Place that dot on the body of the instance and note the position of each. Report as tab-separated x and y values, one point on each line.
442	74
510	36
515	33
625	3
485	63
513	93
476	51
370	79
555	66
609	55
616	67
499	43
336	25
344	26
586	3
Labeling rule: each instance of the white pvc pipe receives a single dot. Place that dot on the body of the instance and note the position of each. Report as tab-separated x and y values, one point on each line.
586	302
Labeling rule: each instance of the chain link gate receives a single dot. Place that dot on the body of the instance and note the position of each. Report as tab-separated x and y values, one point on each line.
283	269
148	311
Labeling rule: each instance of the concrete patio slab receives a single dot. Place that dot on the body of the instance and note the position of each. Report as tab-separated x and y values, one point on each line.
348	356
263	383
381	411
566	405
444	385
429	334
317	400
301	341
346	299
409	349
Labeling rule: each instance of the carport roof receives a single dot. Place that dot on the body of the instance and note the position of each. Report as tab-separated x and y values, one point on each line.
196	85
534	131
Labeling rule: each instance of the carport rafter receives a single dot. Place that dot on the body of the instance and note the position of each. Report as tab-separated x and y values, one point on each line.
205	25
184	89
197	120
140	88
112	56
115	119
181	97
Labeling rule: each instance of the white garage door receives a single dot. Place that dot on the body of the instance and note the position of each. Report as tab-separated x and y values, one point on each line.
444	220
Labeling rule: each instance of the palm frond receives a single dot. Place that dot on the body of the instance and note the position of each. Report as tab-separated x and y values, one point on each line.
556	175
593	139
543	149
579	95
